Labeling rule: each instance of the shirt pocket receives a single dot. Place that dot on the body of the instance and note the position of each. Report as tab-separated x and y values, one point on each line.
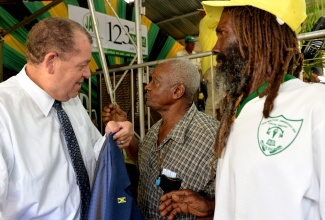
86	147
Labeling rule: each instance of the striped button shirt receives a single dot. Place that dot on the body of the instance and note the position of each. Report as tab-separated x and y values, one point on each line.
190	156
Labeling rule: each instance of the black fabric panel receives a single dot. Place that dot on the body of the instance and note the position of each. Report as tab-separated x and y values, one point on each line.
83	3
7	73
129	11
158	45
19	12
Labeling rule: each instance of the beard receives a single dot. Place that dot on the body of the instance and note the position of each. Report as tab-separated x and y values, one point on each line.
230	68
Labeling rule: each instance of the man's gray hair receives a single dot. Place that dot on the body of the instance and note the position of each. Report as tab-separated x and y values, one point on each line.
185	72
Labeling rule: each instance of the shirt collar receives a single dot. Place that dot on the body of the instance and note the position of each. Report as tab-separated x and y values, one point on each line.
41	98
179	130
254	94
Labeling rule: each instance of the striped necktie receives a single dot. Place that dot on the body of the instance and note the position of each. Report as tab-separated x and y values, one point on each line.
76	158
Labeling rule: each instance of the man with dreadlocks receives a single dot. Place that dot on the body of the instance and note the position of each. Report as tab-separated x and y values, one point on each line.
270	145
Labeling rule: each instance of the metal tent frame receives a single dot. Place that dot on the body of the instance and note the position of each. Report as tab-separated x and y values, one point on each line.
139	11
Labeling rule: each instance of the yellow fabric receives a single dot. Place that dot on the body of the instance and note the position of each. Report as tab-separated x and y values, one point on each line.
292	12
147	22
93	65
117	60
108	9
207	39
14	44
201	96
176	47
59	10
127	159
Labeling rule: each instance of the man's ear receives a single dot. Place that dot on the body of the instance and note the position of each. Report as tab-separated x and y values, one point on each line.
179	91
49	61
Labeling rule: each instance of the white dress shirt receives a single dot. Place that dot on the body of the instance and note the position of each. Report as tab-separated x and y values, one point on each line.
37	179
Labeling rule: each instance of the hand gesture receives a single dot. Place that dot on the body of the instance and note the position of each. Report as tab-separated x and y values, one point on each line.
113	112
123	132
187	202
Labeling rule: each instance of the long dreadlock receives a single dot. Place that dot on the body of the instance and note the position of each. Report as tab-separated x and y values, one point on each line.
271	50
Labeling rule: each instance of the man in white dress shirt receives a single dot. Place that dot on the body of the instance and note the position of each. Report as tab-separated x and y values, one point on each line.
37	178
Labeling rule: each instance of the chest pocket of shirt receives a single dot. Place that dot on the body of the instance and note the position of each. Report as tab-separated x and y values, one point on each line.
85	144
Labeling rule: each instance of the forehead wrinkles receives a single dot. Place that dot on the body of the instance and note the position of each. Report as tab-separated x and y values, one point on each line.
159	72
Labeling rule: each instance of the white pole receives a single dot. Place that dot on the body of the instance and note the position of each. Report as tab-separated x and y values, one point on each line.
138	6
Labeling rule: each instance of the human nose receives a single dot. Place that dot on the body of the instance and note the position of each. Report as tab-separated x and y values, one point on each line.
146	88
86	73
215	49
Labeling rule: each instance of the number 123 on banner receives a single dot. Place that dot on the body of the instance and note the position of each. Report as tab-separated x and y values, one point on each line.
114	39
